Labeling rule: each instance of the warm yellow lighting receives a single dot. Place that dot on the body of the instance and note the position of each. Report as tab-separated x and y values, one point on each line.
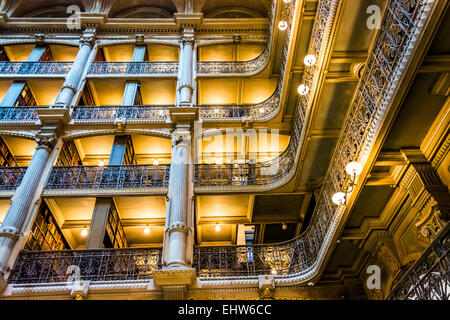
147	230
217	227
274	271
216	110
84	232
261	110
310	60
101	163
303	89
218	161
155	162
338	198
286	1
284	226
354	168
282	25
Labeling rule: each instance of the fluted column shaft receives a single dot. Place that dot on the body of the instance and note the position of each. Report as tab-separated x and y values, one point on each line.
17	213
177	227
186	66
73	79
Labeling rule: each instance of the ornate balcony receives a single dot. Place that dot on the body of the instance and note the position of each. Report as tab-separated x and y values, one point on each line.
18	114
111	179
287	258
254	66
11	177
429	277
237	112
111	113
134	68
34	68
94	265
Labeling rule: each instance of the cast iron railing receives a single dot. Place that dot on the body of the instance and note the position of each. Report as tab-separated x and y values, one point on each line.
130	68
284	258
429	277
11	177
233	112
94	265
108	177
110	113
35	68
18	113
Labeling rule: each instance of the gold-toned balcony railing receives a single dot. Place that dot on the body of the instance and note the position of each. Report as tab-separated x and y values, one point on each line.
429	277
108	177
18	114
110	113
134	68
11	177
34	68
94	265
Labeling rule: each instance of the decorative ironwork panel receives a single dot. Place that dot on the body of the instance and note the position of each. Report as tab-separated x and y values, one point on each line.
429	277
128	68
11	177
230	261
110	113
108	177
95	265
35	68
18	113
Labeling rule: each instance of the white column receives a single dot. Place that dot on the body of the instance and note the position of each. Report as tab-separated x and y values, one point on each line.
73	79
186	66
179	199
16	216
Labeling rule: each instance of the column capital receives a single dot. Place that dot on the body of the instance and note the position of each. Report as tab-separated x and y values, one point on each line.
188	35
88	37
46	140
10	232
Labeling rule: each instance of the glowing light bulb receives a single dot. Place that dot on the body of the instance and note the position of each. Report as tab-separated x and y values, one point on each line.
101	163
310	60
274	271
84	232
282	25
217	227
146	230
354	168
284	226
286	1
261	110
338	198
303	89
218	161
216	110
155	162
161	112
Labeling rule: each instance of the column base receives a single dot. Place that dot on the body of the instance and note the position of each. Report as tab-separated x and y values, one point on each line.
3	283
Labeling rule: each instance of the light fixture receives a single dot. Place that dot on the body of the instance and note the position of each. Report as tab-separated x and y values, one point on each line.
84	232
354	168
218	161
284	226
303	89
282	25
161	112
146	230
339	198
261	110
217	227
155	162
216	110
310	60
286	1
274	271
101	163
